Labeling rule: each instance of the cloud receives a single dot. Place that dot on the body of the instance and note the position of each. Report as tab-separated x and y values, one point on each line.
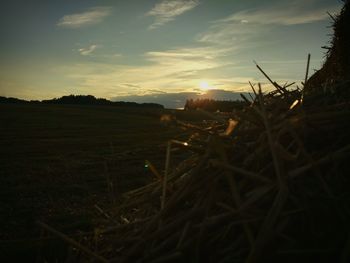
186	60
87	51
168	10
129	85
249	28
191	53
116	55
93	16
296	13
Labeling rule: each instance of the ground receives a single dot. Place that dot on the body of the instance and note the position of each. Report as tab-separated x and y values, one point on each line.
58	161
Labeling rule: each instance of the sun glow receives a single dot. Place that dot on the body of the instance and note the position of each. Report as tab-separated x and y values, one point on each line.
204	85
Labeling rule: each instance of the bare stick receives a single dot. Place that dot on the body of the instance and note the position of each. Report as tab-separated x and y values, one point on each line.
252	86
245	98
270	140
288	85
278	87
153	170
332	17
248	174
102	212
183	235
165	179
71	241
307	68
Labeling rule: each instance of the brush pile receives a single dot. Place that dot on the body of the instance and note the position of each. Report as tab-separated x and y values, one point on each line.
273	186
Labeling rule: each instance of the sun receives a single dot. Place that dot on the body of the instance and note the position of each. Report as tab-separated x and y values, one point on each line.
204	85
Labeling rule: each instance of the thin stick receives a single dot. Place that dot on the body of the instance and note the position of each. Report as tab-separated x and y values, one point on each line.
288	85
153	170
251	97
241	171
333	156
165	179
252	86
245	98
71	241
333	18
270	139
102	212
278	87
183	235
307	69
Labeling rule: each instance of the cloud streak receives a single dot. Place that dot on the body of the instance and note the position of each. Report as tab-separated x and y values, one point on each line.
240	28
92	16
281	15
87	51
168	10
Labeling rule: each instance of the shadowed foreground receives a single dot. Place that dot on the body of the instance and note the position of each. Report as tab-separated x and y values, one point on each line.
58	161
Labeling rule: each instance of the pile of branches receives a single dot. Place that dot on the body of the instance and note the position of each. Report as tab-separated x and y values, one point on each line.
272	186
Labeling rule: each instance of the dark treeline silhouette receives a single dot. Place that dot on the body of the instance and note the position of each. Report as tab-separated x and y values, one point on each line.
14	100
83	100
214	105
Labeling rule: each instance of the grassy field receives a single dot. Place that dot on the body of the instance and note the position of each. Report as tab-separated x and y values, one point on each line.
58	161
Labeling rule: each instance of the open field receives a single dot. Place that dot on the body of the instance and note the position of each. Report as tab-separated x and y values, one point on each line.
58	161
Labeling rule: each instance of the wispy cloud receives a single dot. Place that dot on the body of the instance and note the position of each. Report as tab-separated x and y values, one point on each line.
92	16
116	55
199	54
241	27
294	14
168	10
87	51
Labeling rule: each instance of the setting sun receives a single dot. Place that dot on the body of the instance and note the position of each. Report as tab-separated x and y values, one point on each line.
204	85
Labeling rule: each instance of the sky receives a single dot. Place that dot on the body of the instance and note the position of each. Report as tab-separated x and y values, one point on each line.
143	50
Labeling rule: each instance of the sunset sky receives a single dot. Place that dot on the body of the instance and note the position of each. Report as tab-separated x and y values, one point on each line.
114	49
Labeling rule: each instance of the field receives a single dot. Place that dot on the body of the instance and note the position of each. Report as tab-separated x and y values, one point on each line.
57	162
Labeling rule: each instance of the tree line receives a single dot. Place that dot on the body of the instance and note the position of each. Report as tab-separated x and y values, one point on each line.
82	100
214	105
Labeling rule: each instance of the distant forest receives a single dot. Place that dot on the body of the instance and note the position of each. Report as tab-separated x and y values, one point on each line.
204	104
214	105
82	100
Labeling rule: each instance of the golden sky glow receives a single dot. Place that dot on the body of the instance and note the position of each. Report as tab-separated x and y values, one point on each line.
129	48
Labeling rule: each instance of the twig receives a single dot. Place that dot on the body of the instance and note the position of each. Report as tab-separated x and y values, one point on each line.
165	178
71	241
278	87
332	17
241	171
270	139
307	69
153	170
102	212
